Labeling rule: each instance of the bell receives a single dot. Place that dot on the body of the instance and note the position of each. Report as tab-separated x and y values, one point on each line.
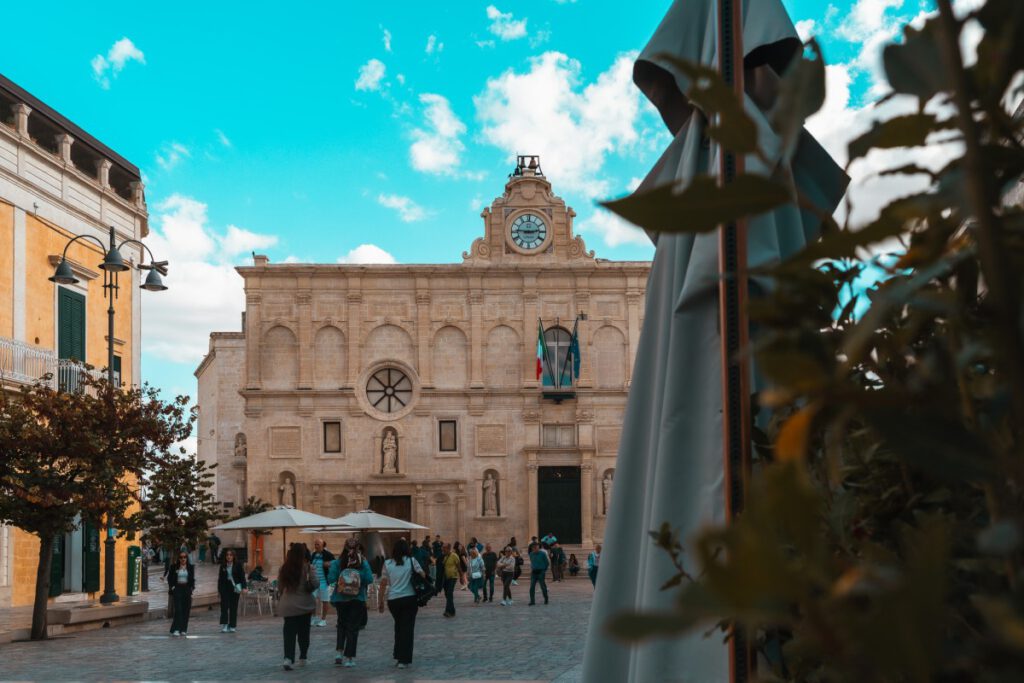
63	275
153	282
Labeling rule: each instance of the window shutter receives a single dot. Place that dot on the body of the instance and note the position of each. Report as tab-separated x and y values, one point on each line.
90	558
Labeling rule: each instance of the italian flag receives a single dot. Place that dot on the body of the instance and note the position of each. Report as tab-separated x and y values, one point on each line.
542	350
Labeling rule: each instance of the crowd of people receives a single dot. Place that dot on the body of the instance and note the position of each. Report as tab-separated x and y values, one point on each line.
310	582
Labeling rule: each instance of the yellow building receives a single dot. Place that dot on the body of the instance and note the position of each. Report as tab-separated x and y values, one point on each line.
57	182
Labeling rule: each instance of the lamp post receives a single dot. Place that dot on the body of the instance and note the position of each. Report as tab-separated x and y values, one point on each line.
113	263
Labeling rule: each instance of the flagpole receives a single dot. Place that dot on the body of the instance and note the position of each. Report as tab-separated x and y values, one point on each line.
734	324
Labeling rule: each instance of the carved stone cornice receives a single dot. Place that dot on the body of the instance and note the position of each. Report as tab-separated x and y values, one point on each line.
303	298
253	299
354	297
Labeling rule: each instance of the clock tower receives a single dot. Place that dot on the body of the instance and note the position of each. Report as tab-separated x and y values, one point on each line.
528	223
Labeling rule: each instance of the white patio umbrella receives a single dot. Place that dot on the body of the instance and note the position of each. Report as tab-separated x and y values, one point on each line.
282	517
368	520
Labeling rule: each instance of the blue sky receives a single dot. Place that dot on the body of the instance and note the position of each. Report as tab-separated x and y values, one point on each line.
327	131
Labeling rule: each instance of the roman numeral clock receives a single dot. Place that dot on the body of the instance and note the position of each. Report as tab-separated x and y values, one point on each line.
528	231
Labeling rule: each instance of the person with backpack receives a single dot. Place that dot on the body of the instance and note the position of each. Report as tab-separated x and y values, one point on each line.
396	585
295	586
539	564
351	575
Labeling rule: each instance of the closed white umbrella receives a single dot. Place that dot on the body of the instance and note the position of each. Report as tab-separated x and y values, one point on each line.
282	517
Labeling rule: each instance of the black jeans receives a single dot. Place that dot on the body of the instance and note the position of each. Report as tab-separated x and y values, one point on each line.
296	628
439	579
535	578
489	587
350	620
506	584
449	596
229	609
182	607
403	610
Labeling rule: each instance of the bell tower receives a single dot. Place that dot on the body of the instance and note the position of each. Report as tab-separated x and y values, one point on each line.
528	223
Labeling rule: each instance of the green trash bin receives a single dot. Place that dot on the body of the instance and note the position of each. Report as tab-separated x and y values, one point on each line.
134	569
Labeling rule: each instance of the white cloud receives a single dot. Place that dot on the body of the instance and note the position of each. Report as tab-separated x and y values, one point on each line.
484	44
540	37
476	204
612	229
204	292
387	39
408	210
806	29
171	154
504	26
545	111
433	45
222	138
367	253
436	147
119	54
370	75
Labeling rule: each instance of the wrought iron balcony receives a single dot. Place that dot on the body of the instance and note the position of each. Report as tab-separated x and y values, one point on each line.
22	363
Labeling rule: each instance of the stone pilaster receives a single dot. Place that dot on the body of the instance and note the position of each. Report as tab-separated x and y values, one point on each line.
253	332
304	300
587	500
529	330
476	302
634	300
355	317
423	335
531	497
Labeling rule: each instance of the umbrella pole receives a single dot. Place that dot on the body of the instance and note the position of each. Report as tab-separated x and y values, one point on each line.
284	544
735	326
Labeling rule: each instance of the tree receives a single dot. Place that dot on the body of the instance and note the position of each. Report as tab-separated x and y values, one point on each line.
179	507
883	533
71	455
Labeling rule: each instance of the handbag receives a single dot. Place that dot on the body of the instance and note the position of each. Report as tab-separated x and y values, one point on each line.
424	589
476	575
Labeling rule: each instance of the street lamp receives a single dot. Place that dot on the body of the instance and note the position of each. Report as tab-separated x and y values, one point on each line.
113	263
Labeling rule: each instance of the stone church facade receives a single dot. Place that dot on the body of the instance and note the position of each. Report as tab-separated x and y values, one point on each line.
413	390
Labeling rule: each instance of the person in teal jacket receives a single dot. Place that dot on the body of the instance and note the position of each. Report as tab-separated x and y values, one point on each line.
344	572
539	564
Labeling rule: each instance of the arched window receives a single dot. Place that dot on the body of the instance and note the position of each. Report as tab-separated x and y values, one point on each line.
558	364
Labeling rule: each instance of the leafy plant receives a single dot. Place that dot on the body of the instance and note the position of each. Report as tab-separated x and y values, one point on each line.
882	535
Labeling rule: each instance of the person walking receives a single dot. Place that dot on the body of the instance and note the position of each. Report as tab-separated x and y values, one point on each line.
450	570
518	558
396	585
230	584
476	571
295	586
351	575
214	542
539	564
506	567
593	563
320	561
460	550
490	568
181	581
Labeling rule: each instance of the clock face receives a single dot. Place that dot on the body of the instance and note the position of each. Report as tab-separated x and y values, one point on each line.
529	231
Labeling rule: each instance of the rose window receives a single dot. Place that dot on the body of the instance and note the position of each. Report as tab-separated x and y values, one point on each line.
389	390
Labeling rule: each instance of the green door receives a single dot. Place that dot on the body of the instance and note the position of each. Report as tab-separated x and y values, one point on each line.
70	324
90	558
57	568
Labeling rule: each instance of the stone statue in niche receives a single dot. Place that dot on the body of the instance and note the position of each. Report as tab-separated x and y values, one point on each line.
606	488
287	489
389	448
241	448
490	486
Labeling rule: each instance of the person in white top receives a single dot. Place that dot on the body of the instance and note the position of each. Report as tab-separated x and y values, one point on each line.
396	584
506	569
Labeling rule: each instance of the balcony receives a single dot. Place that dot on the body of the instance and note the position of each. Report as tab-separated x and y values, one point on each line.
22	363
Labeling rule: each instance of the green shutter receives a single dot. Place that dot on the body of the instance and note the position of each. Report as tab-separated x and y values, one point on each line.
90	558
70	324
57	567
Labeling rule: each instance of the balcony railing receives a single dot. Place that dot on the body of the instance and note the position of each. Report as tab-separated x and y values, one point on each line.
24	364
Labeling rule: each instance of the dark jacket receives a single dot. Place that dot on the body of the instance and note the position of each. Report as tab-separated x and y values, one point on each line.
172	577
490	562
224	586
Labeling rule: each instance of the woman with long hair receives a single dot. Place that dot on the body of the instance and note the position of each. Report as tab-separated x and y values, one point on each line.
295	586
460	550
507	569
181	581
351	575
230	584
396	584
476	573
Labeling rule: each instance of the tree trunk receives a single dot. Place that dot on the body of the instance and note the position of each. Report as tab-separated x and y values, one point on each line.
42	588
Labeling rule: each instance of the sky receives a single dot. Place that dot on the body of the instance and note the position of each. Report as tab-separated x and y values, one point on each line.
357	132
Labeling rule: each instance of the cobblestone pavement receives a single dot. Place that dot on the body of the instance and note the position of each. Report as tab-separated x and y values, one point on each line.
482	643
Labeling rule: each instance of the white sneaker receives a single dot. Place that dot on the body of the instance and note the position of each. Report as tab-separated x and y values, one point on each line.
349	663
183	634
339	660
514	582
231	629
402	666
323	622
224	629
175	633
287	664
